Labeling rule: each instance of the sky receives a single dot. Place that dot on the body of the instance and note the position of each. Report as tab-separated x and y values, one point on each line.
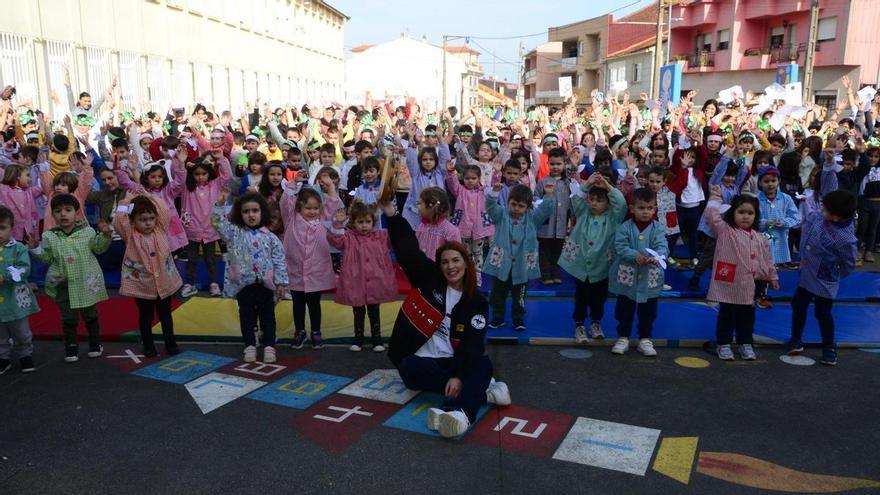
378	21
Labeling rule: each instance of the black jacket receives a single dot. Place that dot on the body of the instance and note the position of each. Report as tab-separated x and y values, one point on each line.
416	320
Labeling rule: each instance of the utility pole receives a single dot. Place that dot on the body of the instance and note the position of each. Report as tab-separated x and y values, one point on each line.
520	89
811	51
669	32
443	96
658	51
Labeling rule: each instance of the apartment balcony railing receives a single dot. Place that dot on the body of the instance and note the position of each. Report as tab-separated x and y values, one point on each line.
789	53
530	74
702	59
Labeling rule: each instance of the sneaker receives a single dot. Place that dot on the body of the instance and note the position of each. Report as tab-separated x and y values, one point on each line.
95	352
173	350
355	348
694	284
433	421
557	281
725	353
299	339
379	348
215	290
453	424
596	331
546	281
763	302
269	355
829	356
868	257
5	364
621	346
580	335
498	394
646	347
71	354
667	287
794	347
250	354
519	326
188	291
150	353
27	364
747	352
694	263
496	324
317	341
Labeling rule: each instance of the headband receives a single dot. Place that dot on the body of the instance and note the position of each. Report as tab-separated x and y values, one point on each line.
150	166
251	137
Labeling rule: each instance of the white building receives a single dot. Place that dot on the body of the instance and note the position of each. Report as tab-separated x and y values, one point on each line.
219	52
407	67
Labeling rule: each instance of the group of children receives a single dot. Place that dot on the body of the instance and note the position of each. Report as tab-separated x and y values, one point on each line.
525	207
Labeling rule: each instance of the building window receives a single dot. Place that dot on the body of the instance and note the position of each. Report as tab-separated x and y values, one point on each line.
637	72
827	99
827	29
723	39
777	37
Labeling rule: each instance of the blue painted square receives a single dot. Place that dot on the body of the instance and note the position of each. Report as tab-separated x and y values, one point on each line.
414	415
184	367
300	390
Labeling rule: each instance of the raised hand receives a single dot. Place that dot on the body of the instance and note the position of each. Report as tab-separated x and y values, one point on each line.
31	241
104	228
340	216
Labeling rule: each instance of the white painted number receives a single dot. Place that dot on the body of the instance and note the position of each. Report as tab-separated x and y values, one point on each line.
518	429
348	414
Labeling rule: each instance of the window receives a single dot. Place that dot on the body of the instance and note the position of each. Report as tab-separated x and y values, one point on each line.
637	72
723	39
617	74
827	29
827	99
703	43
777	37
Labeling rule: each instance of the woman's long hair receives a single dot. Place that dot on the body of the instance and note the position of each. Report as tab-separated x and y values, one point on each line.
469	281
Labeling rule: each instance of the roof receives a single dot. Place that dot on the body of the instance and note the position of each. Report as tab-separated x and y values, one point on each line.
461	49
360	48
644	44
334	9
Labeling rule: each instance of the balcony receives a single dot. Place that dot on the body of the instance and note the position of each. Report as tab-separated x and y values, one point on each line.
562	65
768	57
789	52
763	9
702	59
530	76
698	14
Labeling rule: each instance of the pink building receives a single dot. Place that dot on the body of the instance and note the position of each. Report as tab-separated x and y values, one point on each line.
727	42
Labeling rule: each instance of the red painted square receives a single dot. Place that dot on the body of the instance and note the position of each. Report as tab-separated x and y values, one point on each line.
521	429
725	272
126	357
341	420
267	372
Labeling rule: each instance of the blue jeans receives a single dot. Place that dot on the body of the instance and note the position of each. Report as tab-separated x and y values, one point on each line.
431	374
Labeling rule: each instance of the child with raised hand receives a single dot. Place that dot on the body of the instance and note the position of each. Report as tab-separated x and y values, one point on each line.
469	214
309	266
435	228
513	257
255	273
78	182
424	172
204	185
742	256
729	190
270	184
16	298
74	279
551	235
828	254
778	214
367	276
17	194
599	208
636	275
148	271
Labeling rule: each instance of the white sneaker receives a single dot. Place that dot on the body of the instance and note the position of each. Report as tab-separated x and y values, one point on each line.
188	291
694	263
667	287
215	290
580	335
621	346
250	354
596	331
269	355
379	348
646	347
747	352
453	424
724	352
355	348
96	353
498	394
433	422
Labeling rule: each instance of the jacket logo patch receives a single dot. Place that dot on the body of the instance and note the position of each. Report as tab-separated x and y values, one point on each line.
725	272
478	322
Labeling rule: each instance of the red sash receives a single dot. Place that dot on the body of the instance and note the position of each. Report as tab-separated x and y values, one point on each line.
421	314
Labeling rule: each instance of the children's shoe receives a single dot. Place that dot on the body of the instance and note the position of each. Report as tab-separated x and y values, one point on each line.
188	291
596	331
747	352
433	420
151	352
5	364
646	347
763	302
498	394
868	257
725	353
667	287
27	364
317	341
495	324
519	326
355	348
546	281
694	263
829	356
172	350
299	339
453	424
694	284
71	354
250	354
215	290
557	281
96	351
580	335
621	346
794	347
378	348
269	355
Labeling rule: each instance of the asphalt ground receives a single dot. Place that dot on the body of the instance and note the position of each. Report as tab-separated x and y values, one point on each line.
89	427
